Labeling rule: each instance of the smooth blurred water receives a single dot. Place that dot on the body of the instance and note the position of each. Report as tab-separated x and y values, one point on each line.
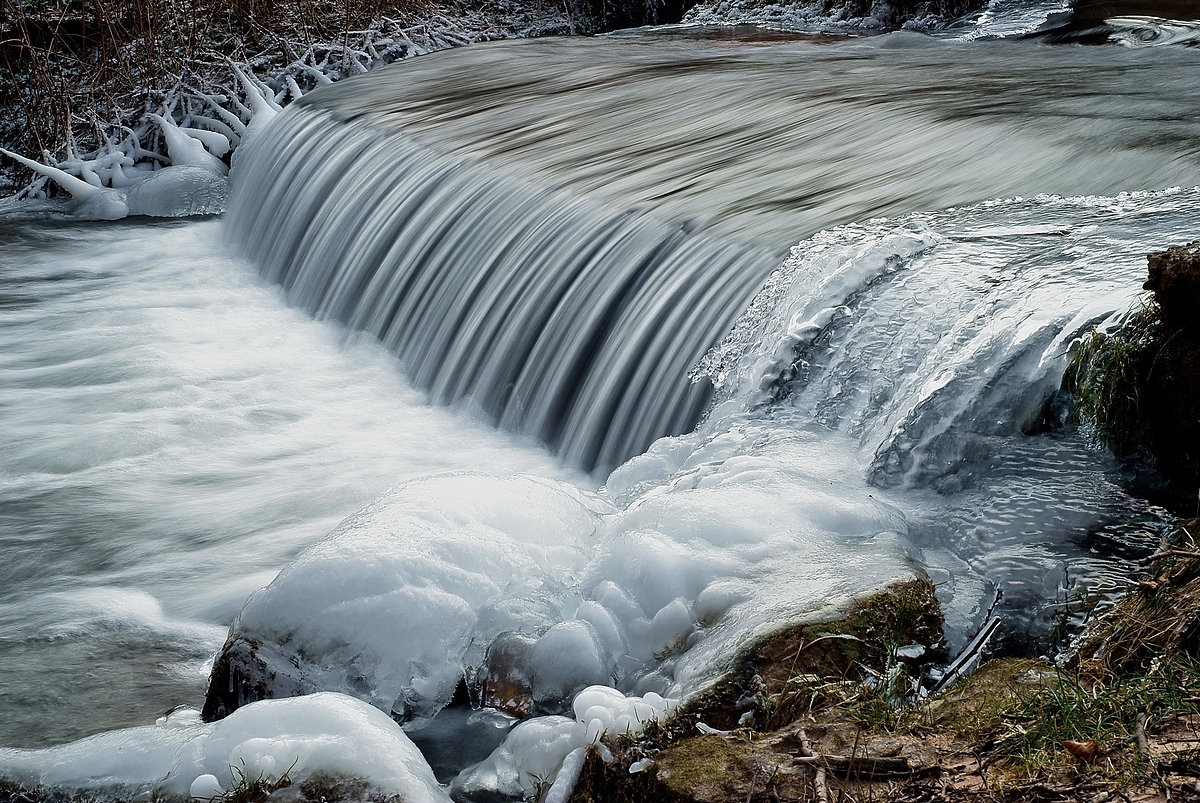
561	229
173	435
174	432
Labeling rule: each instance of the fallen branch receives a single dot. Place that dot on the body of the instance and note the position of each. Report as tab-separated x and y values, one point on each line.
863	767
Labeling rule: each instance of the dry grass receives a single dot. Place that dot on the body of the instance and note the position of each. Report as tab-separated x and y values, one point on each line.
80	74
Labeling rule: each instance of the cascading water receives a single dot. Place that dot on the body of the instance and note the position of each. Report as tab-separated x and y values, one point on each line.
550	236
564	242
559	318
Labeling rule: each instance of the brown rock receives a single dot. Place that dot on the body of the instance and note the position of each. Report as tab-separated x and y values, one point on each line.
1169	396
1174	277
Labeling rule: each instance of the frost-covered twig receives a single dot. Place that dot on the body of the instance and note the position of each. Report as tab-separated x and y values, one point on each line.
201	126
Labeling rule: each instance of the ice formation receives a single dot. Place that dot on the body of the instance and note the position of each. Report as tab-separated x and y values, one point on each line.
546	753
531	590
416	586
175	191
181	756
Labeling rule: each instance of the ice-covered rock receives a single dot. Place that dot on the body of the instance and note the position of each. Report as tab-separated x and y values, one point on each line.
396	604
182	756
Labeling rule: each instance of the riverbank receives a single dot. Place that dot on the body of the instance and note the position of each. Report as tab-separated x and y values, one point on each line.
1119	719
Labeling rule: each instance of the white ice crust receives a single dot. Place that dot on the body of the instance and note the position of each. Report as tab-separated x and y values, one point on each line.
388	606
738	541
321	733
539	750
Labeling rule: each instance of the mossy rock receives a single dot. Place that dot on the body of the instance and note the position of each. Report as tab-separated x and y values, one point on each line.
976	705
1139	386
867	635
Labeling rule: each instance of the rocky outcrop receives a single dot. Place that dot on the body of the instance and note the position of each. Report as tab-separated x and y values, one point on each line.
1169	402
1140	385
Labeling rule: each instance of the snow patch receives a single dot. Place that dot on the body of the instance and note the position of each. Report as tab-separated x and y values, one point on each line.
179	755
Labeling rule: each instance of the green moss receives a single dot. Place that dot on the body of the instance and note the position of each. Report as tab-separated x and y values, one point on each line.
703	767
979	704
1105	376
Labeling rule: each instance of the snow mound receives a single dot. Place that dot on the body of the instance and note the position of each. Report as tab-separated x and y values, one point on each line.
179	755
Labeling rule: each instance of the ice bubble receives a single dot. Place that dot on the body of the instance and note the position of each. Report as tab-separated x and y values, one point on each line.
598	714
603	697
206	787
595	731
644	712
607	628
618	602
566	659
717	598
670	628
266	767
607	711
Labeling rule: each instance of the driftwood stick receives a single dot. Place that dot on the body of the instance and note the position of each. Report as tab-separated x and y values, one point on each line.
861	767
1169	553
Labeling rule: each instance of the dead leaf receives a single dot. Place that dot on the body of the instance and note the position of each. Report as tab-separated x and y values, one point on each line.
1090	751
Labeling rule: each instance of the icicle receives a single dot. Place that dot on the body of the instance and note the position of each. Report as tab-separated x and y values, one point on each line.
80	190
320	77
293	88
97	203
235	123
262	105
217	143
216	127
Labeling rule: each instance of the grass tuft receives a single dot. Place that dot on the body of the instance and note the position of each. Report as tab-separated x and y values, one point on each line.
1103	377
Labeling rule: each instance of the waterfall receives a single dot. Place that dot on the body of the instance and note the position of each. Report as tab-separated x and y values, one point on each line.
559	318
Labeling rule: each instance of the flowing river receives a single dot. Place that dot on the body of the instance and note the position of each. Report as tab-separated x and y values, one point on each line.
728	299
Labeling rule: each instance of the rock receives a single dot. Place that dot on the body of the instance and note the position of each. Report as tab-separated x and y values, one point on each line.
1140	385
715	769
1169	370
244	673
904	613
1174	278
